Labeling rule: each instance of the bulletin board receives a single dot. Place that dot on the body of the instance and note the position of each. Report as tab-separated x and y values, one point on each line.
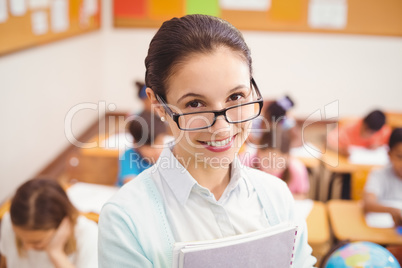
369	17
27	23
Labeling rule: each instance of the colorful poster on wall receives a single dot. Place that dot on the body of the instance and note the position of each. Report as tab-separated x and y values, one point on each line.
207	7
164	10
286	10
27	23
75	10
130	8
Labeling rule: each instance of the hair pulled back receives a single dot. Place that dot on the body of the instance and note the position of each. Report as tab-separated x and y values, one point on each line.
178	38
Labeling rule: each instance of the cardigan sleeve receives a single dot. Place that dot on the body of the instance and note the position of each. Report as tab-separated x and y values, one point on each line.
118	246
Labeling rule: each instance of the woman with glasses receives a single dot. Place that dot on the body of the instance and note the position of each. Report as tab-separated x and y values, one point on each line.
199	79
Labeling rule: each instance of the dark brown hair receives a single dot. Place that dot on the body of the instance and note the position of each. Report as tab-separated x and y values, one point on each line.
41	204
145	128
375	120
395	138
279	140
178	38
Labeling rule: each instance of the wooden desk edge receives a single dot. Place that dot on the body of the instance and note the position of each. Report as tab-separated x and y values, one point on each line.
376	237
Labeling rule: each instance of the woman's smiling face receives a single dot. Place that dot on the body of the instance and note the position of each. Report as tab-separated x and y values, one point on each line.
210	82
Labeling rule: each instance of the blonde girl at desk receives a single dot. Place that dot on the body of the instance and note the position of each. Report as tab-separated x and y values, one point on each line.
199	78
43	229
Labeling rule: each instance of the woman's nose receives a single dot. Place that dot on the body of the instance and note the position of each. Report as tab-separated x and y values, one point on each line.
220	126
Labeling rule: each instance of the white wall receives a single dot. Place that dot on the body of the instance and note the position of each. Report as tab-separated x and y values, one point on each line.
38	86
362	72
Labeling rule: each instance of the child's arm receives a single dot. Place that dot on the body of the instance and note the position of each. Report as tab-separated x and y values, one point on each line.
371	204
55	248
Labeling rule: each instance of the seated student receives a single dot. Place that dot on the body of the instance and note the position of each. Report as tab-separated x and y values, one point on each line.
276	118
43	229
273	157
277	112
148	145
370	132
386	184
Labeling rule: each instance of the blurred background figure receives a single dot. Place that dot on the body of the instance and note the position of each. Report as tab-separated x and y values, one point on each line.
275	117
272	156
369	132
43	229
148	138
384	186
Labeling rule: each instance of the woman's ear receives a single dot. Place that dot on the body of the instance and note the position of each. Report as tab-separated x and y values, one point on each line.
155	103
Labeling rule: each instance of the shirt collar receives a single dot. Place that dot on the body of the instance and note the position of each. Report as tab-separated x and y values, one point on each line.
175	175
181	182
238	174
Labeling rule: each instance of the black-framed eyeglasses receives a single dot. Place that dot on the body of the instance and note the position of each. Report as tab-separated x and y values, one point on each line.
202	120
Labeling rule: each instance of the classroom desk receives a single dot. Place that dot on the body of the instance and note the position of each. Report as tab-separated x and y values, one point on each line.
348	223
318	230
336	165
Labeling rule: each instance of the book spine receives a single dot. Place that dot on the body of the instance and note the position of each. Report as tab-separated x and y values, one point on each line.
293	250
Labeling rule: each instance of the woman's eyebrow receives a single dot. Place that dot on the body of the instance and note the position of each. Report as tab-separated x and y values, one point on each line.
190	95
202	96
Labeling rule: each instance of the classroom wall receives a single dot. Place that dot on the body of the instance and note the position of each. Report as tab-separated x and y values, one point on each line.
38	87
